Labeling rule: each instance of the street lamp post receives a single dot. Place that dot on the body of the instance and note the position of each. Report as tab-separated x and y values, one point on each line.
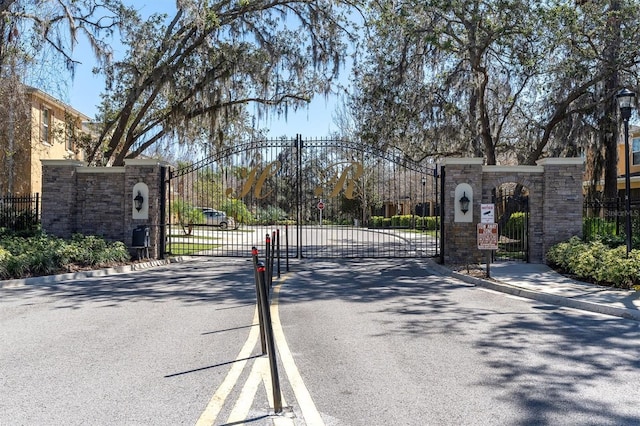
625	99
424	184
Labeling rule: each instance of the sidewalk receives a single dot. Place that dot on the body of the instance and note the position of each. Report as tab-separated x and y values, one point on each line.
539	282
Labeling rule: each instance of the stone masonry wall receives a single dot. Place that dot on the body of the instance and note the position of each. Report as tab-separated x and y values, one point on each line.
563	200
99	201
59	200
101	205
151	173
460	244
555	204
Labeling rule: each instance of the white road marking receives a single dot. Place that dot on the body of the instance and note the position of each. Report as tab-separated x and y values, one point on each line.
209	415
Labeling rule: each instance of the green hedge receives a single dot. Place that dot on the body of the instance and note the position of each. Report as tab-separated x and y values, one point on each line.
596	262
46	255
404	221
515	224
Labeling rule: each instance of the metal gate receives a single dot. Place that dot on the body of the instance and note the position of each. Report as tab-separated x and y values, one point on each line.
512	213
324	198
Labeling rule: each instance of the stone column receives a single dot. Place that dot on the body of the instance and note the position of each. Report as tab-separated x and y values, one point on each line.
151	174
563	199
460	242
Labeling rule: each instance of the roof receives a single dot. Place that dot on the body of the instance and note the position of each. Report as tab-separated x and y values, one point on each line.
48	97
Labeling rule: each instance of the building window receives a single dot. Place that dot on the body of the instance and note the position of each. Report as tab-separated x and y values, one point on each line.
46	125
636	151
69	136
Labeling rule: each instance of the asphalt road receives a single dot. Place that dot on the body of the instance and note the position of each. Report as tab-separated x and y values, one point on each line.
384	342
144	348
394	343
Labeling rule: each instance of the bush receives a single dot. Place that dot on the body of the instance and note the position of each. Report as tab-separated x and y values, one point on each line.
404	221
270	215
186	215
376	221
596	262
236	209
515	224
46	255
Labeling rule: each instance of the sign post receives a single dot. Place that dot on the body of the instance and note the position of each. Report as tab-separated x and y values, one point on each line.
320	208
488	240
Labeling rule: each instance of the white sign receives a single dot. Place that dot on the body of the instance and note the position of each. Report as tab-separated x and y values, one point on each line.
487	236
487	213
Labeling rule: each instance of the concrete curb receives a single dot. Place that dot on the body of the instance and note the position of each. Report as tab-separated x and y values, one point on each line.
48	279
539	296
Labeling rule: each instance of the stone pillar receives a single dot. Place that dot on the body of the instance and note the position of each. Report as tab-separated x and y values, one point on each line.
59	197
151	174
460	242
562	200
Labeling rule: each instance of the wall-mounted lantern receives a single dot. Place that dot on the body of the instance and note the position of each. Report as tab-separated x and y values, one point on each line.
464	203
138	201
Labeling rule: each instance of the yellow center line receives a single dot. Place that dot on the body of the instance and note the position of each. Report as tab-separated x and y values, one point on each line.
209	415
243	405
307	406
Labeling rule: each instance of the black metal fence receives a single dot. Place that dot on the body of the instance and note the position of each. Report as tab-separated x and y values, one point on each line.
512	215
338	198
606	218
19	213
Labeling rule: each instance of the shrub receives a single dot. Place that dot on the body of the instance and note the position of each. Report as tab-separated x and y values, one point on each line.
236	209
515	224
186	215
431	223
45	255
270	215
595	261
376	221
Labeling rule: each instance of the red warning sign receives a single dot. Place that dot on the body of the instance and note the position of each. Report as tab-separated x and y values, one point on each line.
487	236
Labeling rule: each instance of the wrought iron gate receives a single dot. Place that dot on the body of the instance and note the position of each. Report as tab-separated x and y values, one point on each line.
325	198
512	213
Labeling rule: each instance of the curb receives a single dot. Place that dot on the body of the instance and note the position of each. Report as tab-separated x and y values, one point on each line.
47	279
536	295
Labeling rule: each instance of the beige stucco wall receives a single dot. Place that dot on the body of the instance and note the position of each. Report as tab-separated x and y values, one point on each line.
56	147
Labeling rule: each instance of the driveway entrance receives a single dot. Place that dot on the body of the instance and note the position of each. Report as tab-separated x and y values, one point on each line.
325	198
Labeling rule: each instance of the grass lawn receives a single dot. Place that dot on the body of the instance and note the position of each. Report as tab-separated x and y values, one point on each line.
188	248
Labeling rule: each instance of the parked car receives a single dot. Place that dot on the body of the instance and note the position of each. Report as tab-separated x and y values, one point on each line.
217	218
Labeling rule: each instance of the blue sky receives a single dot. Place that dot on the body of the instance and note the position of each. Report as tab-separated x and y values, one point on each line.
316	120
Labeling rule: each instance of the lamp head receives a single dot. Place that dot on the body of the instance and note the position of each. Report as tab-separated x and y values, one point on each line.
464	203
625	98
138	201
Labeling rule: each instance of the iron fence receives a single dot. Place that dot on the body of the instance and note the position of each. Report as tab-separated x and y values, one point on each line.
19	213
606	218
